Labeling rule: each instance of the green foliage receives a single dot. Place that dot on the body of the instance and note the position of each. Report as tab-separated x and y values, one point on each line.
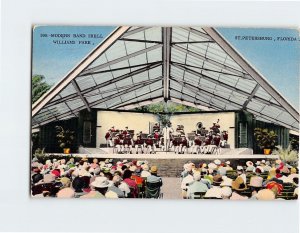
294	141
265	139
39	87
288	155
65	137
160	111
39	153
171	108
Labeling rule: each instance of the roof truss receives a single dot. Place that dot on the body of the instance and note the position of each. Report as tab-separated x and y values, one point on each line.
136	66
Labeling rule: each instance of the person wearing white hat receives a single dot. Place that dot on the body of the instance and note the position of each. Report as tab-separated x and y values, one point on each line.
214	192
217	162
145	173
241	173
196	186
226	192
227	166
100	186
250	166
65	193
226	181
185	183
212	166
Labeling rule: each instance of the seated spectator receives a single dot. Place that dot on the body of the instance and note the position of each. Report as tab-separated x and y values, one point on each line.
114	186
145	173
65	193
131	183
238	185
154	178
196	186
99	186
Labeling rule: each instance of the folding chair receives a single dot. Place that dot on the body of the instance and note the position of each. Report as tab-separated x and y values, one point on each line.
152	190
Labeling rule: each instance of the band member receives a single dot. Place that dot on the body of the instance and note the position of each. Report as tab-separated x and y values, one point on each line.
225	135
118	143
156	127
112	129
206	145
216	127
216	140
127	144
156	137
196	145
108	138
139	143
161	144
150	146
167	131
183	144
224	139
180	129
175	144
125	132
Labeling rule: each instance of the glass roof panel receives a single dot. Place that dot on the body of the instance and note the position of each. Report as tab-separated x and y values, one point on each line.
68	91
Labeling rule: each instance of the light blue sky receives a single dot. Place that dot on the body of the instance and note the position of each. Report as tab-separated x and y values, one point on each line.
277	60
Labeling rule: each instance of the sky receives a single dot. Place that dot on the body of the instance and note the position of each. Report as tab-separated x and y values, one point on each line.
278	60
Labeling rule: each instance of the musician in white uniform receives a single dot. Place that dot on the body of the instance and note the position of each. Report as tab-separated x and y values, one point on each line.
167	131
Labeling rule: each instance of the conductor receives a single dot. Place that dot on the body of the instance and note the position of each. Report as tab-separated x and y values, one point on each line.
167	131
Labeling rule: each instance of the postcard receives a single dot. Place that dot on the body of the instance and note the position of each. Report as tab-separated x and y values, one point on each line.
165	112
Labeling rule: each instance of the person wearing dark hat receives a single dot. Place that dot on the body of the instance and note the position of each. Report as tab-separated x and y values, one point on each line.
78	184
139	143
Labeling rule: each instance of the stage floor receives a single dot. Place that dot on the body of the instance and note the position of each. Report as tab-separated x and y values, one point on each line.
172	155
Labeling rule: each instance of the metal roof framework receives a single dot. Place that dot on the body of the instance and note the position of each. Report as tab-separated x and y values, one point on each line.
136	66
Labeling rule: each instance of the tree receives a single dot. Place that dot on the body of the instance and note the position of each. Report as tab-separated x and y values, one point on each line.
159	110
39	87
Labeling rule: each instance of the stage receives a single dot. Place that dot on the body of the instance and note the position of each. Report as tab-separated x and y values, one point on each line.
169	163
172	155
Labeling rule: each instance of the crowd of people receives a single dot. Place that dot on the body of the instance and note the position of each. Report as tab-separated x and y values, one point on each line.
90	178
97	179
200	141
262	180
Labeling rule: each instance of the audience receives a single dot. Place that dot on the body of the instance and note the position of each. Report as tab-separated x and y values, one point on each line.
234	180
